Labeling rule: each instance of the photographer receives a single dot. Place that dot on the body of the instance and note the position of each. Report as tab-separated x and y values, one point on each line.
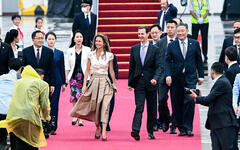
221	120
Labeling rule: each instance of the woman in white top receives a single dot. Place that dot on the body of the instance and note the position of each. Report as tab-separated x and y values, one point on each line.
12	37
95	101
75	68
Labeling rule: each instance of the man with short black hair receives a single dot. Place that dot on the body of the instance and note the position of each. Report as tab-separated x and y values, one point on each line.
86	22
156	32
229	41
221	120
183	68
7	83
231	56
144	72
164	114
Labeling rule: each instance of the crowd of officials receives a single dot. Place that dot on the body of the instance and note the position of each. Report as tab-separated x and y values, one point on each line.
33	77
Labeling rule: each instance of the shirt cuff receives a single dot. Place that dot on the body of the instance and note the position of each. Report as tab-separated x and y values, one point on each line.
201	79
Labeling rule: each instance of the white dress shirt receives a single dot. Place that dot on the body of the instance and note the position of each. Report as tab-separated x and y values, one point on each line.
234	62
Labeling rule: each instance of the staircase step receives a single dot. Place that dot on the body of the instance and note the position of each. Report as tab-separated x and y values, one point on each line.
130	6
123	73
121	50
124	42
128	13
123	65
127	20
120	28
122	58
132	1
121	35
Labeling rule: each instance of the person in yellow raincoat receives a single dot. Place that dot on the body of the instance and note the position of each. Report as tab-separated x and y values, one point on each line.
30	96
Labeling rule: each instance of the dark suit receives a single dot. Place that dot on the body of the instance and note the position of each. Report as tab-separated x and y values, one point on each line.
46	62
232	72
164	114
6	53
226	43
183	105
171	13
139	78
59	72
80	23
221	119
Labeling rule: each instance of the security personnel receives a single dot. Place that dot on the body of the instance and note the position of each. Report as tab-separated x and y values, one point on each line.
199	10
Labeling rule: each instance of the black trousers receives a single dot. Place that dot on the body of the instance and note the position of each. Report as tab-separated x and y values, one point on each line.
203	28
143	92
224	138
112	103
54	105
3	132
163	110
21	145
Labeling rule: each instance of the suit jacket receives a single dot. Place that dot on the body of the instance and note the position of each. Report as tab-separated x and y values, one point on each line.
46	62
80	23
162	44
59	67
193	64
151	68
219	101
171	13
70	60
226	43
232	72
6	53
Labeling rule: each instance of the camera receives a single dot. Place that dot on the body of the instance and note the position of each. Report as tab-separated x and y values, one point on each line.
187	91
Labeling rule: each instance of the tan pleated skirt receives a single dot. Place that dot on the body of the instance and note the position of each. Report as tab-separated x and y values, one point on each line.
94	104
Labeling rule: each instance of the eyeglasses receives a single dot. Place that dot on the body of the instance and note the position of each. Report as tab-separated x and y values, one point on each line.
39	38
237	37
154	32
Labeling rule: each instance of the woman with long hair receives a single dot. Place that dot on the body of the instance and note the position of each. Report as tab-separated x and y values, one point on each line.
59	72
95	101
12	37
75	67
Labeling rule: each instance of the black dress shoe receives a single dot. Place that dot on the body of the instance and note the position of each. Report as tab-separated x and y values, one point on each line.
155	128
189	133
135	135
165	127
173	130
160	126
108	128
151	136
46	135
182	133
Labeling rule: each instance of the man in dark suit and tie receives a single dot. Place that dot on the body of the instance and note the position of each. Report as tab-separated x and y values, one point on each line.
221	120
168	12
144	72
164	115
156	33
86	22
39	56
231	56
6	53
228	42
183	68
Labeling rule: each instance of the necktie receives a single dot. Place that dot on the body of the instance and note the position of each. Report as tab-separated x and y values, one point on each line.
163	21
171	40
87	19
142	54
184	50
38	56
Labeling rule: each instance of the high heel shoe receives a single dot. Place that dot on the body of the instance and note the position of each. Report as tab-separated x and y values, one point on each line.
74	122
80	124
104	139
97	136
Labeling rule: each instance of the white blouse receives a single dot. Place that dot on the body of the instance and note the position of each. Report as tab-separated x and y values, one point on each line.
99	66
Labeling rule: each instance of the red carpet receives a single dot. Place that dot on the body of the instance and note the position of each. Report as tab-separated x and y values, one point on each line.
120	19
82	138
